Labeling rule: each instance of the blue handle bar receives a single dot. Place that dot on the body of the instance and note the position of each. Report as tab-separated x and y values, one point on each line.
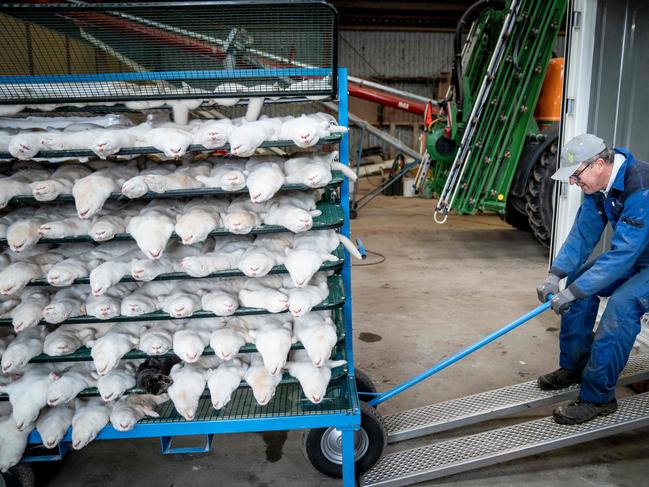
461	354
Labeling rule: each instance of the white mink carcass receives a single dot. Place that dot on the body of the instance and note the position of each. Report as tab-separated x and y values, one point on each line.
91	192
198	218
226	255
243	215
190	341
111	141
314	380
153	227
293	211
25	346
146	299
157	338
108	350
129	410
19	183
90	416
224	380
263	384
227	174
172	142
183	177
246	138
265	177
310	250
307	130
59	182
273	338
68	339
213	133
315	170
266	252
66	303
317	333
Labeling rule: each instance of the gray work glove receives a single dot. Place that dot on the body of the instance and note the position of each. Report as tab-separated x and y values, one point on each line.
561	302
549	286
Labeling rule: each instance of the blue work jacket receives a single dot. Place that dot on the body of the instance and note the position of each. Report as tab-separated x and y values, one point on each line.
626	208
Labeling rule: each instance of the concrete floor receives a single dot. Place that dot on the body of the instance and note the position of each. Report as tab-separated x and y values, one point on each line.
439	289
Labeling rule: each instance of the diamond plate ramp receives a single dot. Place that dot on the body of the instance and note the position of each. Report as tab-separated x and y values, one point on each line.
501	445
488	405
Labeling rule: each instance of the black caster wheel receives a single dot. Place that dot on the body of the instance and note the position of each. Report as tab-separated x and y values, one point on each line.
21	475
322	447
353	214
364	384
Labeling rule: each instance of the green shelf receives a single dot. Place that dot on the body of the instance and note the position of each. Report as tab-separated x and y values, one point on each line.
336	299
332	217
132	151
174	276
337	179
289	400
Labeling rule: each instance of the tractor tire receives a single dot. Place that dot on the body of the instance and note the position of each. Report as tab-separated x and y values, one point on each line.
515	217
539	194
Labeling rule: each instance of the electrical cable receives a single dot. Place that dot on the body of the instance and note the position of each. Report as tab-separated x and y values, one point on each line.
382	258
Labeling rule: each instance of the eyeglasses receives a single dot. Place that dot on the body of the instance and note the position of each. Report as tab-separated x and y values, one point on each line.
576	176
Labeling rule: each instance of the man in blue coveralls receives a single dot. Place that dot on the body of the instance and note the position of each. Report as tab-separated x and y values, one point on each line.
616	191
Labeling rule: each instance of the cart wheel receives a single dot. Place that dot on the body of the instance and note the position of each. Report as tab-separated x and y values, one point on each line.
363	384
323	446
353	214
21	475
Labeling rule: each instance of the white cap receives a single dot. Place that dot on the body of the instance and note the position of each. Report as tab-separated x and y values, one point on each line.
577	150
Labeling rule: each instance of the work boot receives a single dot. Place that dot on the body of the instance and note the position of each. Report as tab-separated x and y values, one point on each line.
580	411
558	379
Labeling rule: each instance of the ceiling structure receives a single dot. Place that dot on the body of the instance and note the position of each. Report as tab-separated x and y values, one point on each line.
420	15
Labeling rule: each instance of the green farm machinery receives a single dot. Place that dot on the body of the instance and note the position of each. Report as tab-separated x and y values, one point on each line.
491	144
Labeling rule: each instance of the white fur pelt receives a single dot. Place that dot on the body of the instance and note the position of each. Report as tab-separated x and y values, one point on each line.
67	303
153	226
311	249
228	175
59	182
266	252
198	218
225	255
243	215
264	177
262	383
307	130
294	210
246	138
314	380
314	170
19	183
183	177
91	192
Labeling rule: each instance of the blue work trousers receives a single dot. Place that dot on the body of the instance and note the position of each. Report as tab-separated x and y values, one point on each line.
602	357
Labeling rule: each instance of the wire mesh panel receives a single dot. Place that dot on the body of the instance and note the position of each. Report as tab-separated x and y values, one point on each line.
166	50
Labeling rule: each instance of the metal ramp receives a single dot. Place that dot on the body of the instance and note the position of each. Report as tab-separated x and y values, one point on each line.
484	406
500	445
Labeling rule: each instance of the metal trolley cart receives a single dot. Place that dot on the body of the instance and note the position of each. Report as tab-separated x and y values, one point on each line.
73	58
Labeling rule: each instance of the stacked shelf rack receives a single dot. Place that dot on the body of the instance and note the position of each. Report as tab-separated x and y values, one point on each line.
194	50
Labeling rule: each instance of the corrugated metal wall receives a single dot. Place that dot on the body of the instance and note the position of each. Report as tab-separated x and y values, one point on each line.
409	61
396	54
